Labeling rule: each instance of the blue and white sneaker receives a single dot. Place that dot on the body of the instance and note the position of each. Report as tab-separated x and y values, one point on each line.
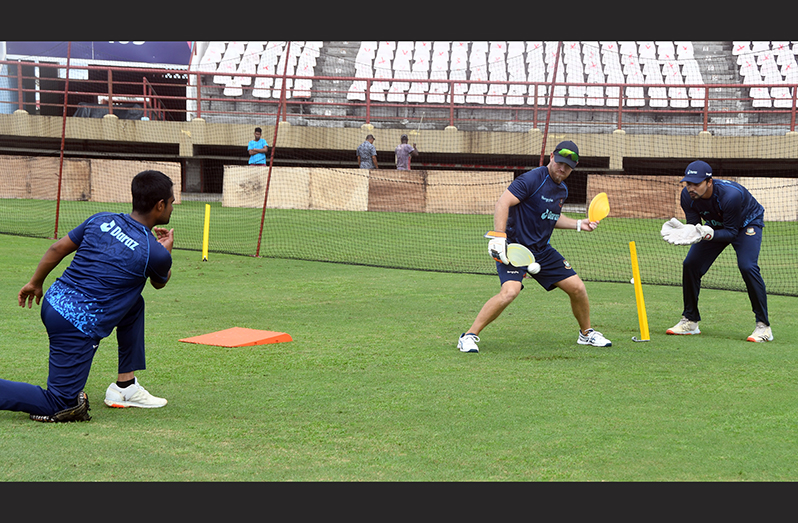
594	338
468	342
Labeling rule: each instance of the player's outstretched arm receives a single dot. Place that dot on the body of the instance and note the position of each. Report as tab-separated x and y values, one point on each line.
566	222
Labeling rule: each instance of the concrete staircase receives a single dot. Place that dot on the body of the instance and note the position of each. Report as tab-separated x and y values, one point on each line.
337	59
717	66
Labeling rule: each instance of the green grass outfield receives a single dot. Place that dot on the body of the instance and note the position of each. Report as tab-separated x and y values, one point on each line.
372	387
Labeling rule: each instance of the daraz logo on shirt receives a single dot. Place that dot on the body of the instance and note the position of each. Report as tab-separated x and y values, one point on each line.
116	232
548	215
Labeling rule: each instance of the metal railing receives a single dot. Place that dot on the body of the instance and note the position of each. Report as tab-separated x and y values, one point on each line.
540	101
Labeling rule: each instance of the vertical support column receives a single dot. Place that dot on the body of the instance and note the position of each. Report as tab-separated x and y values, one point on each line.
617	149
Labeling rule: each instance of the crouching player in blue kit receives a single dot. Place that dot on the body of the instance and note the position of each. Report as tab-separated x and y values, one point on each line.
731	216
100	290
527	213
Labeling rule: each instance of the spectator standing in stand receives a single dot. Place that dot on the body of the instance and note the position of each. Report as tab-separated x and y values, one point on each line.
258	149
403	153
367	154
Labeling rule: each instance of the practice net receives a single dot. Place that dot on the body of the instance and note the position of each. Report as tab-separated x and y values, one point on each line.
313	202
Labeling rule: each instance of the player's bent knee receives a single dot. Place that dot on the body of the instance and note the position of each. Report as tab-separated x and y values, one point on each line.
510	291
746	269
573	286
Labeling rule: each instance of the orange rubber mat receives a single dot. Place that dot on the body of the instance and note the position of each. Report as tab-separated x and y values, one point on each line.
239	337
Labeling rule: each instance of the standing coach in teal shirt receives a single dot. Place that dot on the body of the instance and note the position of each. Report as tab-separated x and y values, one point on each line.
258	149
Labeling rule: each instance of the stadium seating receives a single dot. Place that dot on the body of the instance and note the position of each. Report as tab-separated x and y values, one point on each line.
767	67
235	64
656	74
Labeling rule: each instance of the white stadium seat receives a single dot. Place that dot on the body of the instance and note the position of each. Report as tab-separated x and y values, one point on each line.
437	90
635	93
440	52
496	90
684	50
692	76
652	69
677	93
422	47
478	75
741	47
759	46
537	93
770	68
571	52
647	49
559	93
534	47
224	72
574	73
628	50
550	52
657	93
459	88
760	95
515	49
591	53
748	67
666	50
594	94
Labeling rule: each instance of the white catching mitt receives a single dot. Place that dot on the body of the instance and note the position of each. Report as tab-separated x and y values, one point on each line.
670	227
677	233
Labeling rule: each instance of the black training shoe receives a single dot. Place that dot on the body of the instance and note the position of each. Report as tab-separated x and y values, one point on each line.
79	412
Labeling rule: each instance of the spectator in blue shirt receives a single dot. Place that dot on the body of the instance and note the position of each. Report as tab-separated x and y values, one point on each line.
258	149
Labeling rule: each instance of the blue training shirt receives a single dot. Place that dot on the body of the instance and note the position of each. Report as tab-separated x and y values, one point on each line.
531	222
258	158
115	256
730	208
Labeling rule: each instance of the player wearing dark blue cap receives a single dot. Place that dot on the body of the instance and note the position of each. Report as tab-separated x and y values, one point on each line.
724	213
527	213
114	256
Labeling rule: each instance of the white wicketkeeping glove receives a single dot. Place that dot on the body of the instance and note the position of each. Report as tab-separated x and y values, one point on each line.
677	233
497	246
687	236
671	226
706	232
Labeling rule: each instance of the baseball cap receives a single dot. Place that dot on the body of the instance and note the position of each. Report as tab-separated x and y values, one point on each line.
568	159
697	172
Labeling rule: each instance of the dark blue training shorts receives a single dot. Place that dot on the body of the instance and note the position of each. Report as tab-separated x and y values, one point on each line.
553	269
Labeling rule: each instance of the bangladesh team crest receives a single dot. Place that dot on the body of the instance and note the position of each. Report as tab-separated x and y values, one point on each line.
750	231
567	265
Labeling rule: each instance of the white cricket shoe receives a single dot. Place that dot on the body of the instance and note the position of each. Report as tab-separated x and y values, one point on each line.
684	326
594	338
761	333
468	343
132	396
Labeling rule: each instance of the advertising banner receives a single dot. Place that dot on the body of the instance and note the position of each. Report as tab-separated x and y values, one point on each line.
171	53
